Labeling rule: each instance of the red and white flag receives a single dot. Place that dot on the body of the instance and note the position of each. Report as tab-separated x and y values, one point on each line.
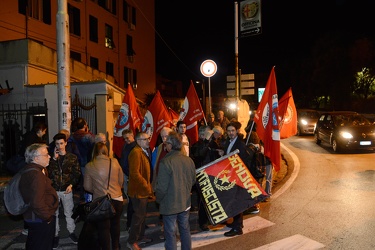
129	117
288	115
174	116
267	121
157	116
191	113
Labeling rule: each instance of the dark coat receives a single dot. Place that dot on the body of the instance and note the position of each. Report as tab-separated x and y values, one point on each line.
36	189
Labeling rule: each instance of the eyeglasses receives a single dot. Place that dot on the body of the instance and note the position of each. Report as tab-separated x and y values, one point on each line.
144	139
43	155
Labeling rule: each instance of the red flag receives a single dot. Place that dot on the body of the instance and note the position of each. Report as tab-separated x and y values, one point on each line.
288	115
267	120
156	117
191	113
174	116
228	188
129	117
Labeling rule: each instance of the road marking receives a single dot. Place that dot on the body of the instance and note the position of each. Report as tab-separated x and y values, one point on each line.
205	238
295	242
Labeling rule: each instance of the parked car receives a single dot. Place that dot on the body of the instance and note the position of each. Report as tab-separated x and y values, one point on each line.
306	120
345	130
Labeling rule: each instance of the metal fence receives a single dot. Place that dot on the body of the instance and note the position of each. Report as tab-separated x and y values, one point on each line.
18	119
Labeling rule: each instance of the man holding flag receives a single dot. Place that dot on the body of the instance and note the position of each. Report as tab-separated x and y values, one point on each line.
234	142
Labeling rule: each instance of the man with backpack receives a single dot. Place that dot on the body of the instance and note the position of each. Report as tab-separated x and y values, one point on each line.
36	189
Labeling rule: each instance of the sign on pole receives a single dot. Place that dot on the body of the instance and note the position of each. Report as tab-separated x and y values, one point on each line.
250	18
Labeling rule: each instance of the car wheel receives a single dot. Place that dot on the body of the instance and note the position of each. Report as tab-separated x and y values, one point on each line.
335	146
316	138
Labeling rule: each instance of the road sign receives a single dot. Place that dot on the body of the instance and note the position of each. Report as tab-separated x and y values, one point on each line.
208	68
250	18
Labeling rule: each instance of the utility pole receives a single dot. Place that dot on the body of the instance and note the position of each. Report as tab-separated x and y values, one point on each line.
63	71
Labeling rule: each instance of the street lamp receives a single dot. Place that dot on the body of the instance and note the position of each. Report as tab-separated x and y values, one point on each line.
208	69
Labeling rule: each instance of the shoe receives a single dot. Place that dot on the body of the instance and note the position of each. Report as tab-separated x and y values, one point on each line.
74	238
204	227
25	231
252	210
161	237
133	246
55	242
144	240
233	232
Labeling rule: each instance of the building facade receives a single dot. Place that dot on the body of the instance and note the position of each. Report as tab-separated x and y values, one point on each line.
115	37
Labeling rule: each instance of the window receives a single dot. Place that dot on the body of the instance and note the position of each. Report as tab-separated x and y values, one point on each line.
129	48
109	68
109	37
93	26
94	62
37	9
74	20
109	5
75	55
129	15
130	76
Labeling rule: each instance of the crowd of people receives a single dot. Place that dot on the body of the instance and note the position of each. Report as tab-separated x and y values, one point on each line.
80	162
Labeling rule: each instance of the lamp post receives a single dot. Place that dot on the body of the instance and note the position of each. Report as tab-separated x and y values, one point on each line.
208	69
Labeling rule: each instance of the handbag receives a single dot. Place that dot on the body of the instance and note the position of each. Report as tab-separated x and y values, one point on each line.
101	208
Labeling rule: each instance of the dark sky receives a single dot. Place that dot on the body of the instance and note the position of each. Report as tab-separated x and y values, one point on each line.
195	30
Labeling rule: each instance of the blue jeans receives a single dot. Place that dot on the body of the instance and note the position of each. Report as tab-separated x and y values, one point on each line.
182	220
269	169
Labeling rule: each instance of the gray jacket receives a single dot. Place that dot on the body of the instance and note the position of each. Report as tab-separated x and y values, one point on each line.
175	179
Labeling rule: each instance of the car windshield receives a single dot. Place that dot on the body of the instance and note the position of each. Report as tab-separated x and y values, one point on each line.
350	120
309	114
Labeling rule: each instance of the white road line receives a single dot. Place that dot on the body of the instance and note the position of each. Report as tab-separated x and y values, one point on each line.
205	238
295	242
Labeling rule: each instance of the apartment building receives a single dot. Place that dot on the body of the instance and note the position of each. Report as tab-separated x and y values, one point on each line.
114	37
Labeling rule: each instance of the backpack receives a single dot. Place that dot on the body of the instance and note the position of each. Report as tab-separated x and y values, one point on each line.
13	199
258	162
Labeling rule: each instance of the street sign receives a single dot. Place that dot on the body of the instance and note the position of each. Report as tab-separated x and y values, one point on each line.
250	18
208	68
247	85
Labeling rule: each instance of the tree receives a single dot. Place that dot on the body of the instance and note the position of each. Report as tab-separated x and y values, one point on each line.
364	84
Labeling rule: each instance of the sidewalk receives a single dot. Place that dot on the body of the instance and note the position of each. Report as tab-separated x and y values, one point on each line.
11	227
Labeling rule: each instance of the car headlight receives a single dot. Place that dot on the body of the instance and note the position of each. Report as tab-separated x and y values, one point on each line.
346	135
304	122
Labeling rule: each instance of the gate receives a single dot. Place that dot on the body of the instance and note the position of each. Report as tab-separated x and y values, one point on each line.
85	107
16	120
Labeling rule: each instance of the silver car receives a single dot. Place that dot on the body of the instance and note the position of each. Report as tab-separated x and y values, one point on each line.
306	121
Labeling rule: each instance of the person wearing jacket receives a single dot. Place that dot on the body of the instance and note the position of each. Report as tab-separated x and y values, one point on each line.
36	189
64	171
96	182
175	179
139	187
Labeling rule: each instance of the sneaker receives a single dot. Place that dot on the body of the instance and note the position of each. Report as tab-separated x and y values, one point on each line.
161	237
74	238
55	242
252	210
144	240
25	231
133	246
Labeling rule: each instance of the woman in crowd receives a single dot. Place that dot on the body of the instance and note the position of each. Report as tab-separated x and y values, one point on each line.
96	182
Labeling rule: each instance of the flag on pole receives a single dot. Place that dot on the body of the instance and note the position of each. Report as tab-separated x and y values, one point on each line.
288	115
174	116
191	113
129	117
227	188
157	116
267	121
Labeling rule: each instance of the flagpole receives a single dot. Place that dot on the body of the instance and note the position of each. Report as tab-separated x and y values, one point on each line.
217	160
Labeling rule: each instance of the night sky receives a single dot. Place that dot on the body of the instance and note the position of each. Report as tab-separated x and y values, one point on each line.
190	32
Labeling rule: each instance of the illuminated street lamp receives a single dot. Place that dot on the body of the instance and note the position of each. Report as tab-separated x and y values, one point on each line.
208	69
